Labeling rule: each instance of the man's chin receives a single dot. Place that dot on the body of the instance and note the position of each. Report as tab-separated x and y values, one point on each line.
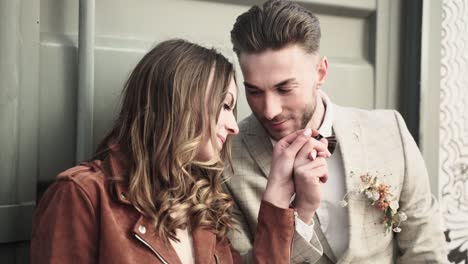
277	135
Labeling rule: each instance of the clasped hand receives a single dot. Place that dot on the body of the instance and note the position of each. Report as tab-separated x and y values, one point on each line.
298	166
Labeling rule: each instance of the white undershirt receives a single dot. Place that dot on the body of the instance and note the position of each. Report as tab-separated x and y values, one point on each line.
183	248
333	218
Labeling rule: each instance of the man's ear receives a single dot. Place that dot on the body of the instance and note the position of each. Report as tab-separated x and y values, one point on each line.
322	71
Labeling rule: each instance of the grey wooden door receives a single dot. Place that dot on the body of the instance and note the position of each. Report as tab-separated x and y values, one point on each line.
360	39
19	90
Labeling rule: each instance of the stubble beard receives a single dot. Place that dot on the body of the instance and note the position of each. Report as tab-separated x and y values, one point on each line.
309	111
305	118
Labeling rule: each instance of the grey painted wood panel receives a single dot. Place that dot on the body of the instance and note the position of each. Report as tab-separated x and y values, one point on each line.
124	32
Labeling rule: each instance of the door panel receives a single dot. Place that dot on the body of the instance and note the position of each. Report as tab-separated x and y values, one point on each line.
358	53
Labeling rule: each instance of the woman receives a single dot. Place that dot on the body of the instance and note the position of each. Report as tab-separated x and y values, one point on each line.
152	193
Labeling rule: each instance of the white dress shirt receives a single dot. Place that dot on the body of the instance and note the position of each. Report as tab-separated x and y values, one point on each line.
332	216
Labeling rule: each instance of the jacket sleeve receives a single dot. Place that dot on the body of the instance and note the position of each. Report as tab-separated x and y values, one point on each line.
242	238
421	239
276	239
274	234
64	226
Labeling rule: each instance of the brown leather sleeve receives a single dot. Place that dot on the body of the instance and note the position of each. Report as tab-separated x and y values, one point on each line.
64	226
225	253
274	235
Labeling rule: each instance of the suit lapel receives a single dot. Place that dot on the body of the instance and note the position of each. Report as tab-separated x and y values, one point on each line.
327	251
349	133
258	144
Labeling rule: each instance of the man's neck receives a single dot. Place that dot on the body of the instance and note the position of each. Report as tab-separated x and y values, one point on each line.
319	113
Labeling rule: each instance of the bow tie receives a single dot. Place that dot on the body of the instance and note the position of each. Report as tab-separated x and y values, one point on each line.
331	142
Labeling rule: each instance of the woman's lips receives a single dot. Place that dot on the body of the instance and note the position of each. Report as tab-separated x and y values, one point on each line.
222	140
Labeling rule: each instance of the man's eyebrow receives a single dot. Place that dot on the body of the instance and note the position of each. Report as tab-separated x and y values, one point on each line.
248	85
285	82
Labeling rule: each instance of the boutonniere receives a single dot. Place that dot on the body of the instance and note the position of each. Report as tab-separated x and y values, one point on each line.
380	196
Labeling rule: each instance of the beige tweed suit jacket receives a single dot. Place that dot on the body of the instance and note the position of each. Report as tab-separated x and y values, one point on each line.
370	141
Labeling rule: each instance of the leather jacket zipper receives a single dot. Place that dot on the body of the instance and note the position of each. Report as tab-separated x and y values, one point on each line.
291	248
296	215
152	249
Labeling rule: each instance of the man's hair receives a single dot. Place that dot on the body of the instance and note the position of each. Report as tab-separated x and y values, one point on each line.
274	25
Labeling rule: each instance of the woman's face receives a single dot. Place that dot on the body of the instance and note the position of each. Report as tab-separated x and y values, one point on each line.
225	126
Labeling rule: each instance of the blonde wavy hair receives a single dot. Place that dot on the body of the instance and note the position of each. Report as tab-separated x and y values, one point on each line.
163	121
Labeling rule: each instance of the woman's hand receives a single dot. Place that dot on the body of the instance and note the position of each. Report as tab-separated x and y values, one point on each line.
281	185
310	170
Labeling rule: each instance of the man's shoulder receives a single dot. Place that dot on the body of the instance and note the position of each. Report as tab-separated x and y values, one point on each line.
244	129
246	124
248	141
369	113
372	117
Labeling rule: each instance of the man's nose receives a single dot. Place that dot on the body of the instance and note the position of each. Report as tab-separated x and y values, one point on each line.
272	106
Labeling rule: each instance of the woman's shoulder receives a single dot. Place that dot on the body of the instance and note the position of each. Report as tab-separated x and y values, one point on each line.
84	181
74	198
86	175
83	174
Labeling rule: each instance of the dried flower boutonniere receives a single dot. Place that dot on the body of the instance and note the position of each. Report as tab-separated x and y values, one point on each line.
381	197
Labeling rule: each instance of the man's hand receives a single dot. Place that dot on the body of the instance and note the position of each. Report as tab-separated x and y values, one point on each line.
310	170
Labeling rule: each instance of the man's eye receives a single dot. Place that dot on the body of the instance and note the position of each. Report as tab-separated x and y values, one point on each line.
284	91
252	92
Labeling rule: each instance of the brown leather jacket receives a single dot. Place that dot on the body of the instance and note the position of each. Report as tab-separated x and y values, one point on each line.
78	221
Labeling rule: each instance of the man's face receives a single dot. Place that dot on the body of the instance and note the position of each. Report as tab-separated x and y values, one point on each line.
281	87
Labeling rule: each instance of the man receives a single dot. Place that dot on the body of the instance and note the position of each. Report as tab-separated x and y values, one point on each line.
278	50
